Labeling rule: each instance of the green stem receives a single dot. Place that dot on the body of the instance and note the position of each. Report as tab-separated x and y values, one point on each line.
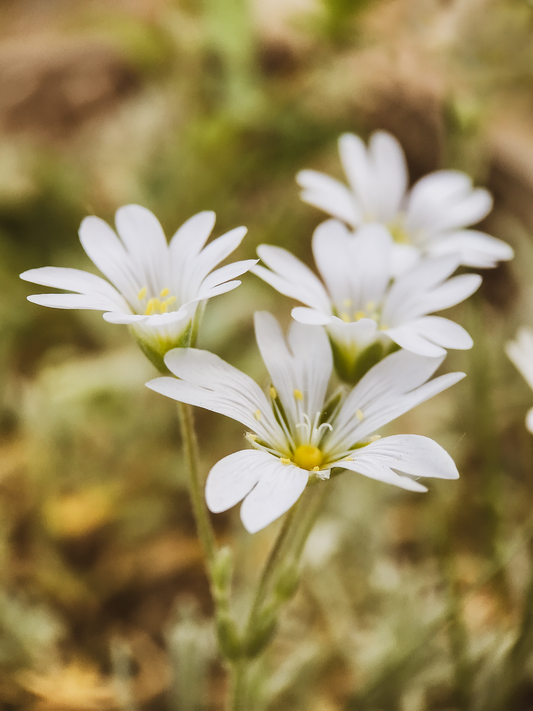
269	569
237	686
203	522
294	532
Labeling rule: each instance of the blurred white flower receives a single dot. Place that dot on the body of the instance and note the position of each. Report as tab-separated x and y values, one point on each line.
156	286
365	314
428	219
298	433
520	352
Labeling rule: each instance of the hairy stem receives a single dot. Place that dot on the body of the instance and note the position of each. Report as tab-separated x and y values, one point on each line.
203	522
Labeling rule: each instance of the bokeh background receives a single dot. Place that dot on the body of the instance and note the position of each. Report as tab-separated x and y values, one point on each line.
407	602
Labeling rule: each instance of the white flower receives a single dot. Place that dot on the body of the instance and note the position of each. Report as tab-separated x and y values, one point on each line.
298	433
365	314
430	218
156	286
520	352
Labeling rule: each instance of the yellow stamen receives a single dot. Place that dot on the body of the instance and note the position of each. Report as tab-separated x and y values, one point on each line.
347	302
273	392
316	469
308	457
163	307
345	317
358	315
370	306
298	395
142	293
164	292
383	327
153	305
251	437
171	300
285	461
375	438
257	415
359	414
348	459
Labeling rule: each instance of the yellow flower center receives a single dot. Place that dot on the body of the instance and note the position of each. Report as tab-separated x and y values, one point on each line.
370	312
399	233
308	457
156	305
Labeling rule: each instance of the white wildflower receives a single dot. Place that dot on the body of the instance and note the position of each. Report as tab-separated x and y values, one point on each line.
365	314
428	219
155	287
296	433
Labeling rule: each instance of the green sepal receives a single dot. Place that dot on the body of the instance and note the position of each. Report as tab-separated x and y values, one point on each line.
228	636
155	350
352	364
287	584
263	632
222	571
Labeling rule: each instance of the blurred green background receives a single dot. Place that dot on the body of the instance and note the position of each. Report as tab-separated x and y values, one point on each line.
407	602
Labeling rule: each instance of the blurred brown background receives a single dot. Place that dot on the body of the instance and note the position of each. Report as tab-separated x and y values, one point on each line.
407	602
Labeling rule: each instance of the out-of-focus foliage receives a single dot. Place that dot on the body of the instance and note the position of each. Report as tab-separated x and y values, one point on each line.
407	602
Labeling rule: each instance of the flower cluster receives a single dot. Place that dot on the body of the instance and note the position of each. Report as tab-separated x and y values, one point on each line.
386	264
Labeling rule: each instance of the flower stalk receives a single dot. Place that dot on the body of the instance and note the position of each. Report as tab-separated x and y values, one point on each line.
201	516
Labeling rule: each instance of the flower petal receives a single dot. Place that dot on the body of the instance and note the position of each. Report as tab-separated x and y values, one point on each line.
307	368
520	352
443	332
356	268
445	200
311	317
191	237
107	252
211	383
408	336
145	241
226	273
291	277
329	195
78	281
233	477
529	420
207	260
411	454
473	248
91	302
278	489
375	469
356	164
390	174
392	387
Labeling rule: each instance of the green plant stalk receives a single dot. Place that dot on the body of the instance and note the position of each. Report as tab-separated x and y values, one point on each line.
288	546
201	515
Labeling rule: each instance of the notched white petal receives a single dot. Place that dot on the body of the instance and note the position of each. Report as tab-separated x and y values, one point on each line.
232	478
278	489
